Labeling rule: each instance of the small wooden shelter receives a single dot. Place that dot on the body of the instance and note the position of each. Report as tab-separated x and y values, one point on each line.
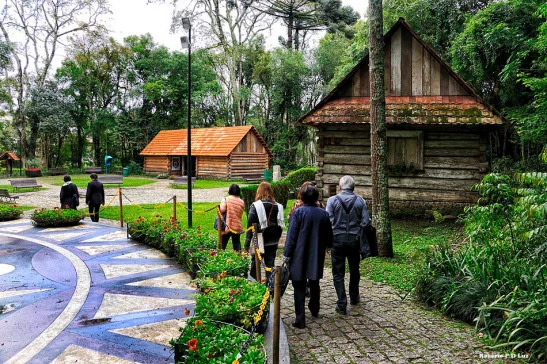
9	157
437	128
220	152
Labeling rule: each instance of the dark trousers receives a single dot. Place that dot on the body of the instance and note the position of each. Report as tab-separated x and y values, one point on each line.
345	247
94	212
269	260
300	299
235	241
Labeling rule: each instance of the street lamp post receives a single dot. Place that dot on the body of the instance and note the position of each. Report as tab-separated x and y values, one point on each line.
187	42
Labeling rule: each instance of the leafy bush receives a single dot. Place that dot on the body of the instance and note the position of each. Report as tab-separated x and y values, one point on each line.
234	300
281	191
9	212
212	342
135	168
212	262
162	176
298	177
56	217
498	279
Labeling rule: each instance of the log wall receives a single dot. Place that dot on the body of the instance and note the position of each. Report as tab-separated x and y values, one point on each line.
247	165
453	162
212	167
159	164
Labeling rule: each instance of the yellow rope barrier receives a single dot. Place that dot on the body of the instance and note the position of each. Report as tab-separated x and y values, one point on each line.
108	204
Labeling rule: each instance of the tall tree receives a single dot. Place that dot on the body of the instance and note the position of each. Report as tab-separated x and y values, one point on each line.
44	24
378	131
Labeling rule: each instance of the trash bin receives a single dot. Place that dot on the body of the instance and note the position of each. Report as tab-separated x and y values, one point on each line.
125	171
267	175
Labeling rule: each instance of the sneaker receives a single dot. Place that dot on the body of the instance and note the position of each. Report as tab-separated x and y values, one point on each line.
341	311
298	325
354	302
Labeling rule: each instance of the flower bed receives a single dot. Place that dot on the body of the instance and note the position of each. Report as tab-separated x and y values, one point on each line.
226	297
56	217
234	300
9	212
212	262
213	342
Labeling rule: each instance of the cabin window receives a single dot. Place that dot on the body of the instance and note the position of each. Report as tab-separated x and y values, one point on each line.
405	150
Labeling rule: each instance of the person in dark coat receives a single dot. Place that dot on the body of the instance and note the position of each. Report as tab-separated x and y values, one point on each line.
69	194
94	197
309	235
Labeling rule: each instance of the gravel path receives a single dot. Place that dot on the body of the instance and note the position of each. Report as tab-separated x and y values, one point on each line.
153	193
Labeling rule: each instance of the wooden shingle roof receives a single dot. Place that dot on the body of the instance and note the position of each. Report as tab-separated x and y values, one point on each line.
220	141
9	155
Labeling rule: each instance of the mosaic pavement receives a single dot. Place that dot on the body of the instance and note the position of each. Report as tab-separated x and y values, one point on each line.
86	295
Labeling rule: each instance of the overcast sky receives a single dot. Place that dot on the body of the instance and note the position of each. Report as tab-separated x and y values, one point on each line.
135	17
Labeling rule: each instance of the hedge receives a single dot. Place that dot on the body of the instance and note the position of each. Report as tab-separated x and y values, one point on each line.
282	189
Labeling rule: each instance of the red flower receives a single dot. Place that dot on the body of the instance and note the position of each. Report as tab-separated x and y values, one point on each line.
186	311
198	323
198	228
193	345
213	253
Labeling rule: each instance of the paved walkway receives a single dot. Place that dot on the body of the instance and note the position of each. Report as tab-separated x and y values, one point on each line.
86	294
149	194
381	329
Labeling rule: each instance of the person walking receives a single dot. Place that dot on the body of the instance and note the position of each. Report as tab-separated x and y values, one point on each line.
94	197
309	235
348	215
233	206
70	199
268	215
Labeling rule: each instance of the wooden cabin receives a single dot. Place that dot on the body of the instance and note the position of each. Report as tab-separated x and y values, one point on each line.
224	153
438	129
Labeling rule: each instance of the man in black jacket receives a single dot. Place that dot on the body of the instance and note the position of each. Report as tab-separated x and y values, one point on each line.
69	194
94	197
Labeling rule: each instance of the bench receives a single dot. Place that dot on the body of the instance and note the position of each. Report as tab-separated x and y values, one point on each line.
93	170
183	180
110	180
6	197
57	171
24	183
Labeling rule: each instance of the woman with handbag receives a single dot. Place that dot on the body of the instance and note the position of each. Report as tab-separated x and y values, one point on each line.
268	215
232	206
309	235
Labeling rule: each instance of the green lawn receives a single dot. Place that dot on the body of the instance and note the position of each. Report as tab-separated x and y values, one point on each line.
131	212
11	190
209	183
81	180
411	240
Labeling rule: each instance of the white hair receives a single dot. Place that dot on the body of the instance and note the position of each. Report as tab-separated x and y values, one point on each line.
347	183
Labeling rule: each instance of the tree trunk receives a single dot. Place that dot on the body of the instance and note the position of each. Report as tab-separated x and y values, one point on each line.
290	27
378	131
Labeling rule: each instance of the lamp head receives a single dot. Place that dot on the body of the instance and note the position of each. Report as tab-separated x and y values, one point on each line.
186	23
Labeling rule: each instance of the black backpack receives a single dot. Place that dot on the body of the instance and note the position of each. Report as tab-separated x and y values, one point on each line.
272	230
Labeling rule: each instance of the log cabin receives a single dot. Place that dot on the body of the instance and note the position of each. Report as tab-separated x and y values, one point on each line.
237	152
438	129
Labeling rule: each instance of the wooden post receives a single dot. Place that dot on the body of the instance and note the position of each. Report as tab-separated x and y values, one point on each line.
219	228
277	316
121	207
257	261
175	208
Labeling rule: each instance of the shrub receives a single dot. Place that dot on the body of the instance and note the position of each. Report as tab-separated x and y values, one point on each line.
212	342
234	300
134	168
281	191
498	279
162	176
298	177
9	212
56	217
